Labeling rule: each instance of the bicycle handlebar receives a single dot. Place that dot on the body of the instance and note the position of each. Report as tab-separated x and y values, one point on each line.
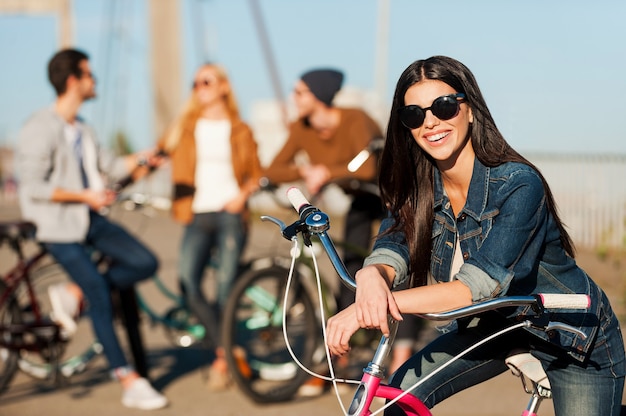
538	302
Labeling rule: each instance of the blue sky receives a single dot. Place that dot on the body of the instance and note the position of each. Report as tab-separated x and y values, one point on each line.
553	72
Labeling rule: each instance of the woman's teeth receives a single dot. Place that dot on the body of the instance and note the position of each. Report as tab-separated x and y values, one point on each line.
438	137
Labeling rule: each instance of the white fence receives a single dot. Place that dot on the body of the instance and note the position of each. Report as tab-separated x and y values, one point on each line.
590	191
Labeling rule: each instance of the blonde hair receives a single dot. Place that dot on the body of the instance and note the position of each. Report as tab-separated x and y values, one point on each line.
192	109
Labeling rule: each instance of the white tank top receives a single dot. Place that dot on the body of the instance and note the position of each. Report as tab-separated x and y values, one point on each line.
457	260
214	177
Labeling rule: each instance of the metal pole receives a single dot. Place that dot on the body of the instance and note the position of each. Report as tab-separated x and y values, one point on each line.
381	57
166	61
269	57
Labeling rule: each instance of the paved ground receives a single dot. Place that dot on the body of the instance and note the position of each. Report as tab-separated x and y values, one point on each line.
177	372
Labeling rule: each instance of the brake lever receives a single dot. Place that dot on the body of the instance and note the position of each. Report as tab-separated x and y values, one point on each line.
565	327
290	232
274	220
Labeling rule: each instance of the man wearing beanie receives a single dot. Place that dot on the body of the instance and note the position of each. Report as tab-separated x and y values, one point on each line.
323	83
331	137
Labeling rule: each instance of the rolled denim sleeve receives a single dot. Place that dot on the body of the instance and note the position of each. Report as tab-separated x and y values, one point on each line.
480	283
389	258
391	249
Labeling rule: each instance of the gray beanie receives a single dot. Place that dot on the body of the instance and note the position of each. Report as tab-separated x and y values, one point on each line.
323	83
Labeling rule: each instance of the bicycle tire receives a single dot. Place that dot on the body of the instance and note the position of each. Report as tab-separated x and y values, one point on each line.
9	314
67	356
255	350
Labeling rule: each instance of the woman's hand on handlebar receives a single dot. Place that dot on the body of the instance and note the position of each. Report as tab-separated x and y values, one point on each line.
374	300
339	330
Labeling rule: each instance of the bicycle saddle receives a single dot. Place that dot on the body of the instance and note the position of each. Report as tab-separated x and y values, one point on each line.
17	230
523	363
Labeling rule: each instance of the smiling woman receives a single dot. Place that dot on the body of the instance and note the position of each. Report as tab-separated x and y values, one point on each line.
215	169
472	219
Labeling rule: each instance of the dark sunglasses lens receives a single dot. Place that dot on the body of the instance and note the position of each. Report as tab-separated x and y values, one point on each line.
204	83
411	116
445	108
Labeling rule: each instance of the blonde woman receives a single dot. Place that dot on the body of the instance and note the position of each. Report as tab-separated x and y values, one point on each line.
215	169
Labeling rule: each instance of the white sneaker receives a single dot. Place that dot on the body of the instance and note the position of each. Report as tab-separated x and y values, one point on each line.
65	307
312	387
141	395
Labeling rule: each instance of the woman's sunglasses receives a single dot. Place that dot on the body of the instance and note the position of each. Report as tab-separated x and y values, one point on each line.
444	108
203	83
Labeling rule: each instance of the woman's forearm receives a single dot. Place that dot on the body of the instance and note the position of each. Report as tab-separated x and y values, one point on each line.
433	298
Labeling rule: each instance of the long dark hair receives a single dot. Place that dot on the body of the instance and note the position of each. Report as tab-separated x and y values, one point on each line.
406	171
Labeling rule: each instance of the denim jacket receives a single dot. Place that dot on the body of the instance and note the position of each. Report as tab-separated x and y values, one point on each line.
511	246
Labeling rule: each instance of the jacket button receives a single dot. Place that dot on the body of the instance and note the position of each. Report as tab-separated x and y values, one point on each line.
465	256
462	217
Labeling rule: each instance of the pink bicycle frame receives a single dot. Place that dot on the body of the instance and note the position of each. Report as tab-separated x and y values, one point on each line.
371	387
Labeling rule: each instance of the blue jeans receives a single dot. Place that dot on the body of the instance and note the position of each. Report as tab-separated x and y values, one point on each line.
212	238
131	262
591	388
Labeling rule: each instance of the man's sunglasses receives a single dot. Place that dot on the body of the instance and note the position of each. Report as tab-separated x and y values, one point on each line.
444	108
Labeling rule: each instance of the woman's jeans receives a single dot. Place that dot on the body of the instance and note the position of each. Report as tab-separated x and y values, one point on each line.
591	388
131	262
211	239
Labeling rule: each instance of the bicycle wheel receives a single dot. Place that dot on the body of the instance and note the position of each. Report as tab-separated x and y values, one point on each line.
253	340
65	356
9	314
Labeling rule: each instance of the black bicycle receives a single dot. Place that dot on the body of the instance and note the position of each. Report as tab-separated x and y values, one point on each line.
30	340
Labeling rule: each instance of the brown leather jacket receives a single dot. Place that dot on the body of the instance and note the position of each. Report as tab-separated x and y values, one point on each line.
246	164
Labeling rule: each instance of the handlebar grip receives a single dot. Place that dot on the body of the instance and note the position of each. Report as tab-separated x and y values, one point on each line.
300	203
564	301
297	198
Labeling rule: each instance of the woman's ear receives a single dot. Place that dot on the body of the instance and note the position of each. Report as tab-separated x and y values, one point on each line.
471	116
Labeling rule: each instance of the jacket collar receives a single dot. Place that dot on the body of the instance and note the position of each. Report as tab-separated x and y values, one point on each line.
477	194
